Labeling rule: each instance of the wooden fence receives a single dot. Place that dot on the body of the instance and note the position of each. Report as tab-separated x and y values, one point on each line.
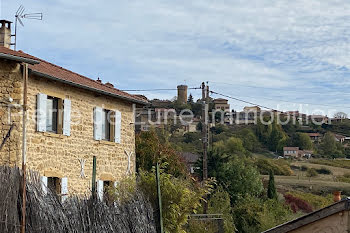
45	213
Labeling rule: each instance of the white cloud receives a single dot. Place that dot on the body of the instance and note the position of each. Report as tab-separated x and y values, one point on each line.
298	46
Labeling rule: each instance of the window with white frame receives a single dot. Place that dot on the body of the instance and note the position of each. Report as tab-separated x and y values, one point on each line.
107	125
53	114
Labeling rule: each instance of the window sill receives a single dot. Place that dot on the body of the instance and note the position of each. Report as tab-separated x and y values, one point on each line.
103	142
53	135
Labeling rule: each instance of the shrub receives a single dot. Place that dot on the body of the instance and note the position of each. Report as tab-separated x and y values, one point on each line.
311	172
304	168
324	171
180	196
278	167
297	204
316	201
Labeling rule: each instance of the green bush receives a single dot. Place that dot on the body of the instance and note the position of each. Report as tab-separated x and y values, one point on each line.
324	171
316	201
311	172
180	196
304	168
278	167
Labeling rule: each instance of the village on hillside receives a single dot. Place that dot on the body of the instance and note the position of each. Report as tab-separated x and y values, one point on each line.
123	153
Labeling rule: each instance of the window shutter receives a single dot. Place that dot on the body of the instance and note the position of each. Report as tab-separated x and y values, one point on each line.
64	188
41	112
100	189
66	117
97	123
118	124
44	184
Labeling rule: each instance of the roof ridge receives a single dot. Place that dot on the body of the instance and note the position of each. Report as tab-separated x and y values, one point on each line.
70	71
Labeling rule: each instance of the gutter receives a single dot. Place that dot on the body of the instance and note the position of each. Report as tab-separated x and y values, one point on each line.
88	88
19	59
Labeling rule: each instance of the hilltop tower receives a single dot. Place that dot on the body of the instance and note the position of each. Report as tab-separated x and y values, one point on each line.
182	93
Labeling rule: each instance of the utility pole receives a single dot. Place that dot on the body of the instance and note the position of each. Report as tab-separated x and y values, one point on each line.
24	146
205	101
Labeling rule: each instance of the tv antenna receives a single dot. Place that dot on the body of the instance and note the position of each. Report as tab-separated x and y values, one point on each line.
20	15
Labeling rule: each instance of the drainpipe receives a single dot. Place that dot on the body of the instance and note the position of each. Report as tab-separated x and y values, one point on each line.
24	145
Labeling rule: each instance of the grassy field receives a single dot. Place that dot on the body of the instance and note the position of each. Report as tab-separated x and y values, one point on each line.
321	184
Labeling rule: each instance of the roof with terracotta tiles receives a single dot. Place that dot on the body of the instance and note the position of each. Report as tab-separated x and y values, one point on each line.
60	73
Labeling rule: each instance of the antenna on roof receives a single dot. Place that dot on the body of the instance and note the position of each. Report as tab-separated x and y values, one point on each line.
19	16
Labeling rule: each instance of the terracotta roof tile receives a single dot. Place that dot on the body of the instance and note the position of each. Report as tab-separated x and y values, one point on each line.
63	74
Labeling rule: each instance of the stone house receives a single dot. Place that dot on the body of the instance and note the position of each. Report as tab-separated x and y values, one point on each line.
291	152
221	104
70	119
331	219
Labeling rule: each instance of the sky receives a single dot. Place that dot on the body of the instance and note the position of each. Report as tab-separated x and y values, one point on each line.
286	55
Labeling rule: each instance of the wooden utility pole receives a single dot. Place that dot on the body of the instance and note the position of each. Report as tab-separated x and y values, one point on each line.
205	101
159	194
24	146
94	177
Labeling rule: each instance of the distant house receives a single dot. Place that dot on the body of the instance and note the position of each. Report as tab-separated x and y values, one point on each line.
305	153
315	137
318	119
333	218
339	138
190	160
221	104
291	152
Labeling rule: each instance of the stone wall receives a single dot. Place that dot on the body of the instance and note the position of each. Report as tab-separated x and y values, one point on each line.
57	155
336	223
10	86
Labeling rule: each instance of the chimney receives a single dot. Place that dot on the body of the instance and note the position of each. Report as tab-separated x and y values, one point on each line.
108	84
182	93
337	196
5	33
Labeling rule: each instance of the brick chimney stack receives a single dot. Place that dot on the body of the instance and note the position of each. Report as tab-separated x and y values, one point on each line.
5	33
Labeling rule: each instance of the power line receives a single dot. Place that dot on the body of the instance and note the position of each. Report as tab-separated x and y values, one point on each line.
325	105
163	89
279	89
244	101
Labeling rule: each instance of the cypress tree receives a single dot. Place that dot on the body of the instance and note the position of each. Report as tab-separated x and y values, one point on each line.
271	189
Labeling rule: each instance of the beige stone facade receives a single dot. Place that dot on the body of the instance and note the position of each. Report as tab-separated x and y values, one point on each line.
56	155
336	223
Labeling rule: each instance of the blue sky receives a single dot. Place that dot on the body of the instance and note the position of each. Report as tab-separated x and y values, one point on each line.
283	54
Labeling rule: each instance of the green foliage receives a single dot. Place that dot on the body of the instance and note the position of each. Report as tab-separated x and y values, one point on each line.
253	215
250	141
324	171
316	201
231	146
272	135
330	148
180	197
311	172
278	167
303	141
239	178
334	162
219	203
150	150
271	189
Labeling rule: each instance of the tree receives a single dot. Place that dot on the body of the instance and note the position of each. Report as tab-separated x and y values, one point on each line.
180	196
239	178
150	150
250	141
271	189
190	99
329	145
311	172
219	202
341	115
303	141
